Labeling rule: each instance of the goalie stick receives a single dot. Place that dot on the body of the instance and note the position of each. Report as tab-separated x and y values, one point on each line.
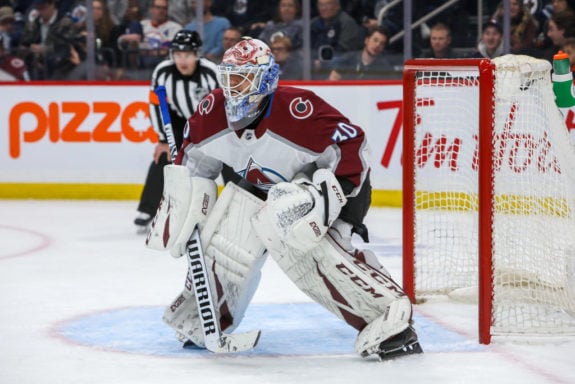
216	341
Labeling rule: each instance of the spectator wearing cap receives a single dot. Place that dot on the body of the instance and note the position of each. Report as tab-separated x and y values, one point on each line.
7	26
12	68
491	43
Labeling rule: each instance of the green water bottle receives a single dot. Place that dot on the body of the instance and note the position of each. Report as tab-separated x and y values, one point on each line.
562	81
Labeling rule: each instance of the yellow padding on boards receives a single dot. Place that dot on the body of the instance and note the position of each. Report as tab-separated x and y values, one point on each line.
70	191
504	203
62	191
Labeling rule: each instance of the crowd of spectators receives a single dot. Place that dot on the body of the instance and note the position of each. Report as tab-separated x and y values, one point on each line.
348	39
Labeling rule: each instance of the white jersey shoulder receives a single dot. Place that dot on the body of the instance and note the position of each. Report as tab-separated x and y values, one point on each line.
160	34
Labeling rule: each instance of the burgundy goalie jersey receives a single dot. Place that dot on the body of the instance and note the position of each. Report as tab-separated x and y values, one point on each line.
298	129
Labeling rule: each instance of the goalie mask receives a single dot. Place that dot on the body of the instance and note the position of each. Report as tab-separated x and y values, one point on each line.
248	73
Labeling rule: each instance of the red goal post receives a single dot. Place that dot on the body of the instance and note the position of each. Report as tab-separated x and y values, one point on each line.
489	193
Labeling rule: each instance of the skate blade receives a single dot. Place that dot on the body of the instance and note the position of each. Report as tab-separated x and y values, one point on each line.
411	349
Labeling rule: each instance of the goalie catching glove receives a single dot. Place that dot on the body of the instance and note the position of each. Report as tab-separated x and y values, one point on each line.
300	213
186	202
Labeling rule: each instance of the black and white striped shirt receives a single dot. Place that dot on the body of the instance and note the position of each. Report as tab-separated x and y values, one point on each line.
183	93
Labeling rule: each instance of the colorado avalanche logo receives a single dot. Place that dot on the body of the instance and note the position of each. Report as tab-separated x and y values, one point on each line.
206	105
260	176
300	109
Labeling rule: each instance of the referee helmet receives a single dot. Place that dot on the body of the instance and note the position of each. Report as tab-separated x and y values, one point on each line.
186	40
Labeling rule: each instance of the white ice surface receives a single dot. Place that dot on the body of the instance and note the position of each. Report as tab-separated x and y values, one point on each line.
65	264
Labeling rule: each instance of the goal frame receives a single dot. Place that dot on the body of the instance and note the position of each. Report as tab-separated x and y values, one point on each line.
486	72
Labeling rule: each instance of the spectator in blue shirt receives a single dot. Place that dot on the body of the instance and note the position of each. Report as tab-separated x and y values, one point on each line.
214	27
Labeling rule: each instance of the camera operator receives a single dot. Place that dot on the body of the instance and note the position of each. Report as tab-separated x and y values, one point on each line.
333	32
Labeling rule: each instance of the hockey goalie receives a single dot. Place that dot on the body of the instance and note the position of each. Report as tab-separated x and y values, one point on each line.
301	190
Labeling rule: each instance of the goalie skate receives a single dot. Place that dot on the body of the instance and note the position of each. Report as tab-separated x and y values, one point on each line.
404	343
143	222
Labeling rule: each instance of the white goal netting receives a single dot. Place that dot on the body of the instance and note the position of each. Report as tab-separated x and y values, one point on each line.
533	187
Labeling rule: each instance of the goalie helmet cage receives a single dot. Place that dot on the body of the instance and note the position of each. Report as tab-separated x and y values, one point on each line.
489	193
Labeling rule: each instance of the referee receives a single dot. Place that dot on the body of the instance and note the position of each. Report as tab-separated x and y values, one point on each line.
187	78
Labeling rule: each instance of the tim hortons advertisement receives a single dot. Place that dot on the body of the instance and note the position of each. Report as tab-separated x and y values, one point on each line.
528	142
100	133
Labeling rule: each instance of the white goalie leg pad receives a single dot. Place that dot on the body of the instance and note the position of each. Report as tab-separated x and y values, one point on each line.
186	202
234	256
359	294
341	233
395	319
182	315
300	213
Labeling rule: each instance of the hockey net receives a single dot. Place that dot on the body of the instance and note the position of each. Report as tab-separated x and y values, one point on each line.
489	192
